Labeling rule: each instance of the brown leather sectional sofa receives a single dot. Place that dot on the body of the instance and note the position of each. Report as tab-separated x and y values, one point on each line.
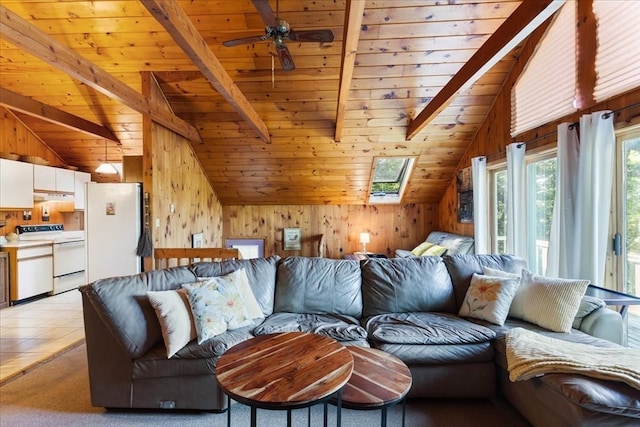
357	303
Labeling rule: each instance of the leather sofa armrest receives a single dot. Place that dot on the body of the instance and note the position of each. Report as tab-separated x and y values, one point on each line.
604	323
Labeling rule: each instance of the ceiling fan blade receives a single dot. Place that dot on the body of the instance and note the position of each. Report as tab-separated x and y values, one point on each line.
243	40
311	36
285	57
264	9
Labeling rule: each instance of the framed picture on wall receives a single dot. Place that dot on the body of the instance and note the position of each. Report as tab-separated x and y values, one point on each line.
292	239
464	182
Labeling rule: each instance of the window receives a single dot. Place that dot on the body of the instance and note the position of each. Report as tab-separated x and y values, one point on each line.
541	184
617	61
536	101
390	176
498	230
541	192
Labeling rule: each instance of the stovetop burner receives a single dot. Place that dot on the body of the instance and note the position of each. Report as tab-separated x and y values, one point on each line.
39	228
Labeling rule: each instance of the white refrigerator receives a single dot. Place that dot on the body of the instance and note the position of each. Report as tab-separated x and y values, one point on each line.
113	223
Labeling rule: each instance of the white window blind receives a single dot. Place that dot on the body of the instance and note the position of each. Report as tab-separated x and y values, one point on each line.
546	89
618	52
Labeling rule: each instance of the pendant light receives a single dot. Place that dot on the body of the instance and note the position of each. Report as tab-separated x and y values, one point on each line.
106	167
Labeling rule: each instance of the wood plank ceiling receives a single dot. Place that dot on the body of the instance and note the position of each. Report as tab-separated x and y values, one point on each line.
318	141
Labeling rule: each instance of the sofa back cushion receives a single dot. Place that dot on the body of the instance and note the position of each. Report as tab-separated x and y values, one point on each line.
123	305
318	286
462	267
401	285
261	273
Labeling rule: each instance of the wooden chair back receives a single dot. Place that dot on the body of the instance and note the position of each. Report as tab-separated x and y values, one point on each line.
173	257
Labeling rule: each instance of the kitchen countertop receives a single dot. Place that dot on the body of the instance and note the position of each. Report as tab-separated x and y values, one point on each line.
23	243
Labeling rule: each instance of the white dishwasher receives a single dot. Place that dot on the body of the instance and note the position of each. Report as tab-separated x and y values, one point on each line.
34	271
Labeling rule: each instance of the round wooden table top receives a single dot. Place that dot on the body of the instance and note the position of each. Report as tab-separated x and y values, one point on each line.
378	379
284	371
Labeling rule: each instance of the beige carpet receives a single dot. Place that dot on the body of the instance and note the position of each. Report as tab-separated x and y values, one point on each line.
57	394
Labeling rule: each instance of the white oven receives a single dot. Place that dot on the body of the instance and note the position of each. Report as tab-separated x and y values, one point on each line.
68	253
68	261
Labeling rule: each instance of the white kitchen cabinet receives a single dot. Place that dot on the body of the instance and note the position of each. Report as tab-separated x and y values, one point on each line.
65	180
44	178
81	178
16	184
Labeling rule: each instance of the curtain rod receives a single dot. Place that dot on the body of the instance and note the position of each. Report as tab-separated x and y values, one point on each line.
571	126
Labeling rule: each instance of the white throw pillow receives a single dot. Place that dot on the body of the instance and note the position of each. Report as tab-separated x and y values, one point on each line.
517	305
174	315
551	303
217	305
489	297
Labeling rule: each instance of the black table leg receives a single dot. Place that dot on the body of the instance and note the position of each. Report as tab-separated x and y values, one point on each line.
383	417
404	410
253	416
338	409
228	411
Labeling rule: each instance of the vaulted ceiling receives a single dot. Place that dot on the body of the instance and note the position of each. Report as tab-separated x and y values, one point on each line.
401	78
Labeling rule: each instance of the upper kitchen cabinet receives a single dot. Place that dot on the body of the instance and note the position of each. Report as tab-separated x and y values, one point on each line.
16	184
65	181
81	178
44	178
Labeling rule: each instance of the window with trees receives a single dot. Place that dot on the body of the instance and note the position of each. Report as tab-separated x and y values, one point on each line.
541	184
389	178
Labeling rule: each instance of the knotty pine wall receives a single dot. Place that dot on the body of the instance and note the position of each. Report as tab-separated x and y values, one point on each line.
391	226
175	177
16	138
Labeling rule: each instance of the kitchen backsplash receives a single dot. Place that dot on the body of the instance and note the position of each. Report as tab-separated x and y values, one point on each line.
70	220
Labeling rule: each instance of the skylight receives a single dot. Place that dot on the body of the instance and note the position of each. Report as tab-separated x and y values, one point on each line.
390	176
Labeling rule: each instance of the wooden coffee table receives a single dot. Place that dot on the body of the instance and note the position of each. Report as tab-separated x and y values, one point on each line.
284	371
378	380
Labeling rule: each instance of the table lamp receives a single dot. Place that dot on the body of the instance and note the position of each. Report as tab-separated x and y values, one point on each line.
364	239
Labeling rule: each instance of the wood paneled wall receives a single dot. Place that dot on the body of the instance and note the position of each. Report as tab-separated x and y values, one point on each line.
391	226
182	199
16	138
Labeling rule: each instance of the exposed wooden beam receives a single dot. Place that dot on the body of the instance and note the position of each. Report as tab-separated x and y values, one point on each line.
522	22
16	102
352	23
179	26
39	44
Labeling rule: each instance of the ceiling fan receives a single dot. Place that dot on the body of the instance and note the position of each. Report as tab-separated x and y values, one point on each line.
278	30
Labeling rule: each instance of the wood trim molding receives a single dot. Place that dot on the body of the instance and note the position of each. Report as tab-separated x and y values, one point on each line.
31	39
522	22
185	34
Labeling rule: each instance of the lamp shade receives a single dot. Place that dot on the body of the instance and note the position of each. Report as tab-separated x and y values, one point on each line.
106	168
364	238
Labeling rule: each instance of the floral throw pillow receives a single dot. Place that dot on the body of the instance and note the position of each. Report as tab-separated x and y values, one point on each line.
488	298
217	305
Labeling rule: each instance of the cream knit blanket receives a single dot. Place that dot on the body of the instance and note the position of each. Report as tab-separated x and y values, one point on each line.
530	354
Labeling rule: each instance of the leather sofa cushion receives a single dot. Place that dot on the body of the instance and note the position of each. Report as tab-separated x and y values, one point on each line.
261	273
426	328
462	267
154	364
123	305
318	286
400	285
420	354
214	347
340	328
597	395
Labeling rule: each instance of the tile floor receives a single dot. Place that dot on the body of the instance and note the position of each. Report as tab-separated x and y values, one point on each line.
34	332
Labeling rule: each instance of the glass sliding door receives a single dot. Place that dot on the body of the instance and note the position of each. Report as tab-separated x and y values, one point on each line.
627	237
